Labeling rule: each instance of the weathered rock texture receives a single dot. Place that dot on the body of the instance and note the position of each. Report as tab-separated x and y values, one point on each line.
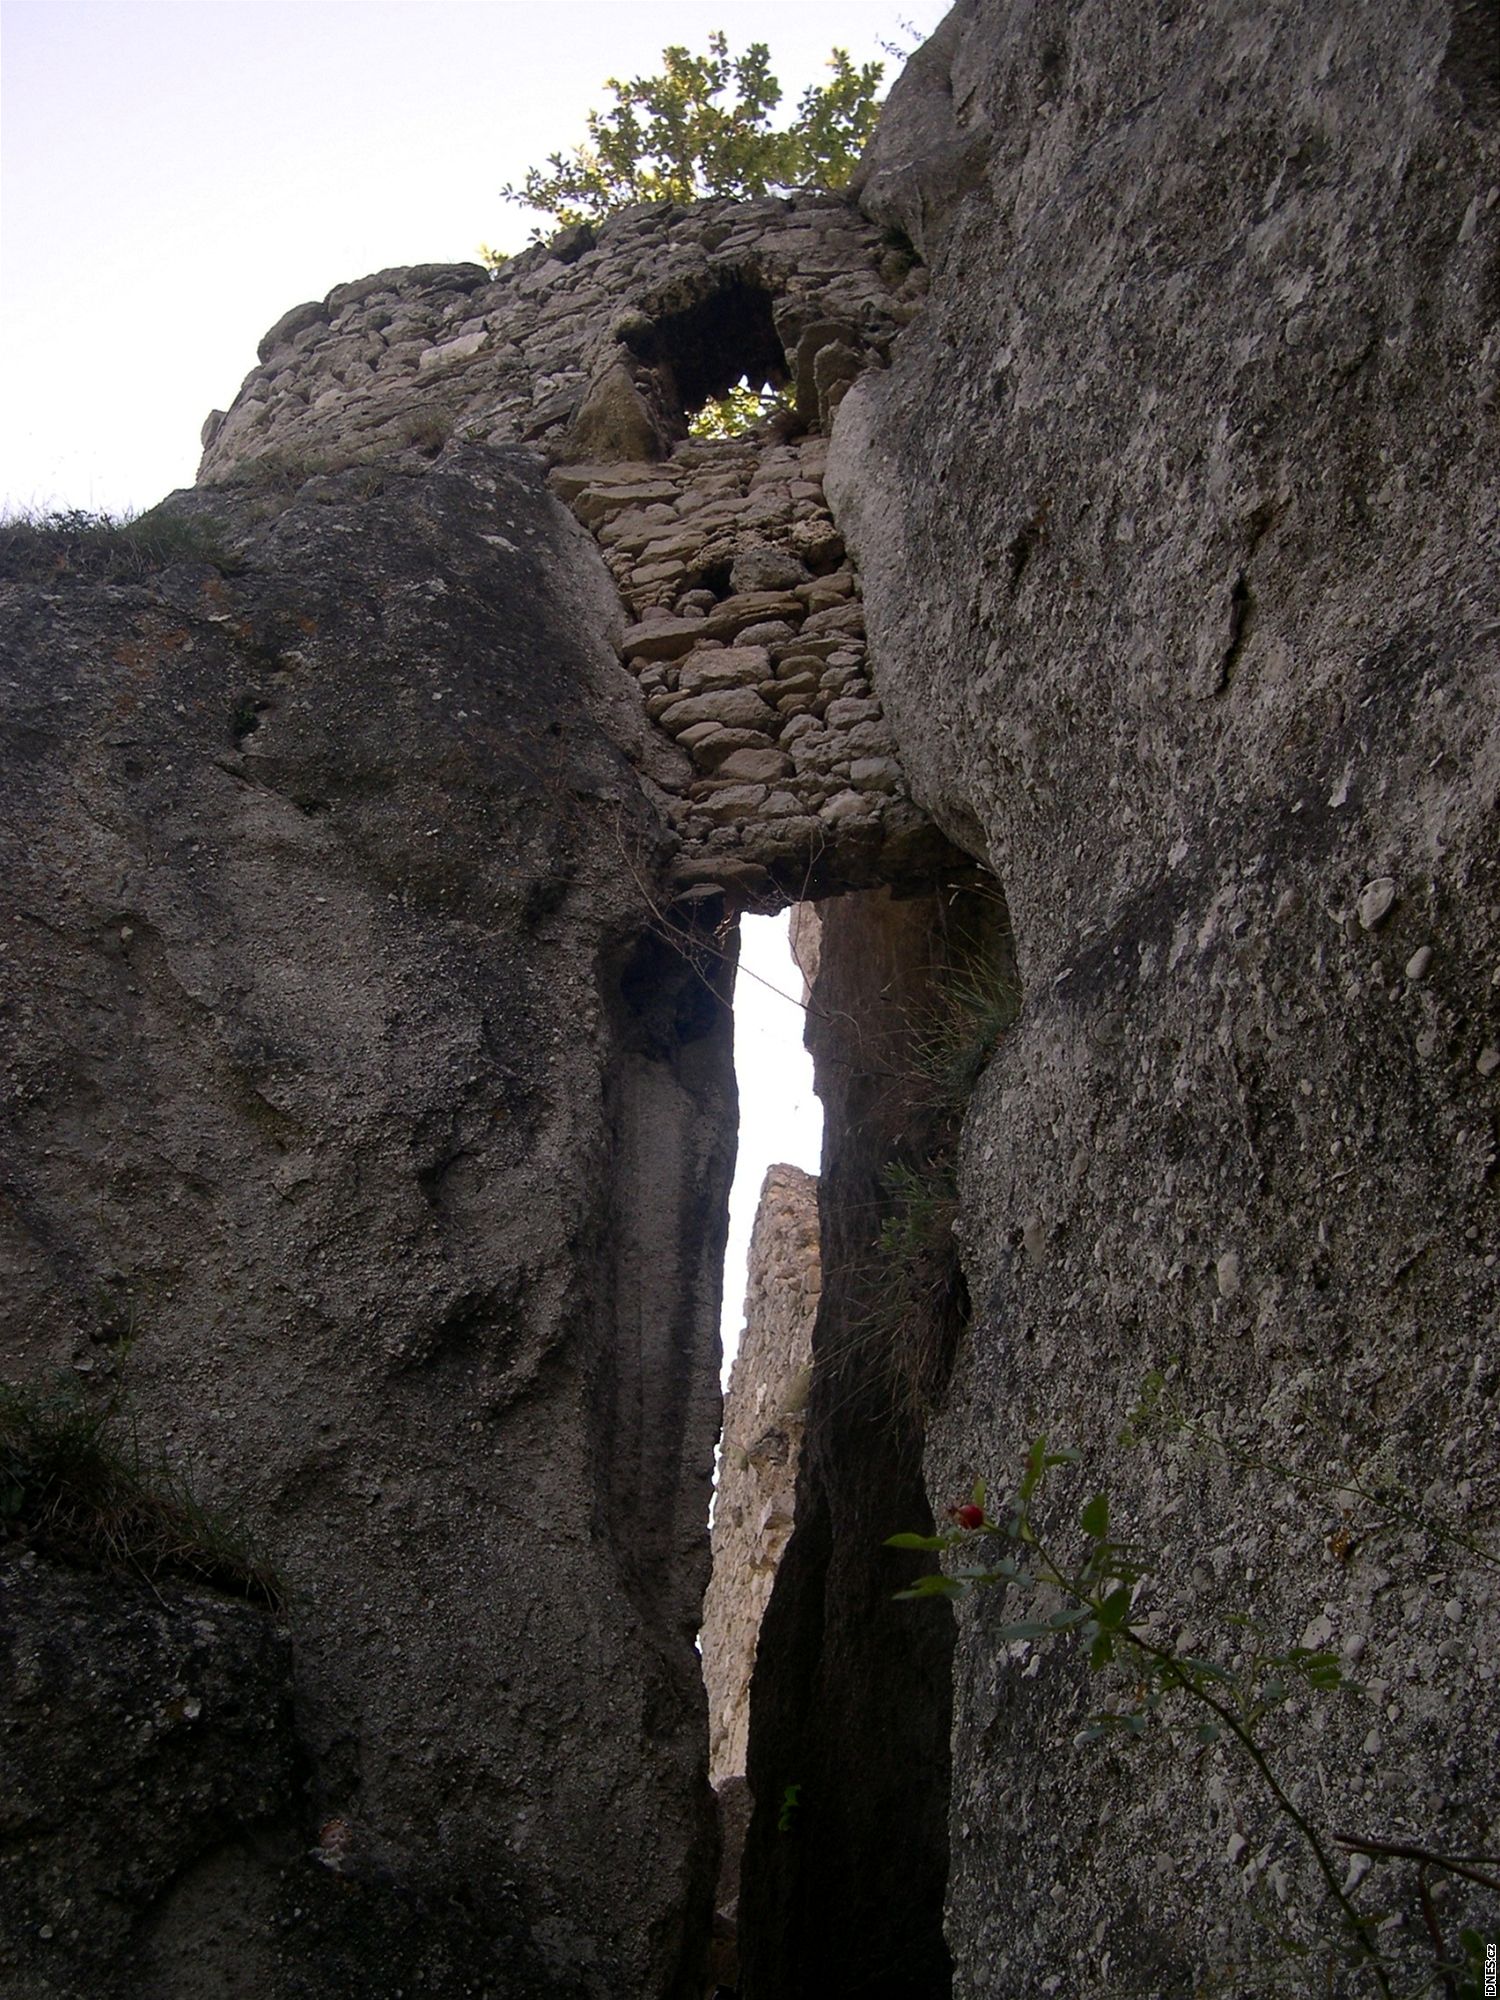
366	1063
145	1728
1179	527
156	1837
781	777
351	1078
763	1418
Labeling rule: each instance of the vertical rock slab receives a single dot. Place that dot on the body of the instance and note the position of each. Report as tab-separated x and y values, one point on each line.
1179	528
344	1067
764	1414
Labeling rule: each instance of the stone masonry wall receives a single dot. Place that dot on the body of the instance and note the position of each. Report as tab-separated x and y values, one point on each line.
591	346
773	760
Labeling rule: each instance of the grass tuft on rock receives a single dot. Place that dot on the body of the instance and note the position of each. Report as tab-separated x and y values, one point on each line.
76	1485
112	548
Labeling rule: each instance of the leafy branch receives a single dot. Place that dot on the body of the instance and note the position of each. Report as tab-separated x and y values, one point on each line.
703	127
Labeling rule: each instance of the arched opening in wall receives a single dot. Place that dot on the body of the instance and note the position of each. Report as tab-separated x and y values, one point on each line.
719	359
845	1744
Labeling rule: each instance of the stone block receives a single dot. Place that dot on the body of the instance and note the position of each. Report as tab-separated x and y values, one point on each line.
725	804
710	745
875	774
464	348
732	666
734	708
661	638
756	766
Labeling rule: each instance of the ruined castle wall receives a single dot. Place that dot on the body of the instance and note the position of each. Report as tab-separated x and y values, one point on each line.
740	615
592	346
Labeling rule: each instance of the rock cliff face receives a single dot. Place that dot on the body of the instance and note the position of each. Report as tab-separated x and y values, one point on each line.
352	1082
370	878
1179	525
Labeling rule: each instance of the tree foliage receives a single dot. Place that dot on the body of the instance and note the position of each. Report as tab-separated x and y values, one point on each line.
703	127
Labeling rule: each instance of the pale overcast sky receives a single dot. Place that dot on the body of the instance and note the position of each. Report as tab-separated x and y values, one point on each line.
175	174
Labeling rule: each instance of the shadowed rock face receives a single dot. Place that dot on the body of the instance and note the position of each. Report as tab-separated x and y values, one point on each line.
764	1410
348	1081
1179	527
849	1706
143	1727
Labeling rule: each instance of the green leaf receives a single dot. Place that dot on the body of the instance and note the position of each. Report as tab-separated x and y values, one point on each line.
915	1541
935	1584
1028	1628
1111	1613
1203	1670
1061	1621
976	1493
1209	1732
1094	1517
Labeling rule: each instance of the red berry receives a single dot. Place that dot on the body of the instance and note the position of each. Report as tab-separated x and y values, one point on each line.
968	1516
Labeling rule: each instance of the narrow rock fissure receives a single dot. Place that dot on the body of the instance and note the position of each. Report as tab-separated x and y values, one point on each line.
831	1768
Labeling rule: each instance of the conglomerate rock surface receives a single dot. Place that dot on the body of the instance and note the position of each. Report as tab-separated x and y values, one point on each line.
1180	534
367	1069
352	1087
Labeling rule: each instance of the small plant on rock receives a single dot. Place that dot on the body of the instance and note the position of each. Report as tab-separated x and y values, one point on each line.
1088	1598
76	1483
114	548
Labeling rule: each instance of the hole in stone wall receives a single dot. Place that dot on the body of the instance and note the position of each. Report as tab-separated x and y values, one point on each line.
745	408
708	348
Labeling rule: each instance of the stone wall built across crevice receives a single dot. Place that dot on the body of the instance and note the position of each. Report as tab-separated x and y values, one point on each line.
741	617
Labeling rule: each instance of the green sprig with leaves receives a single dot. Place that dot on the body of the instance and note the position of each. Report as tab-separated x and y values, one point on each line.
1096	1595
